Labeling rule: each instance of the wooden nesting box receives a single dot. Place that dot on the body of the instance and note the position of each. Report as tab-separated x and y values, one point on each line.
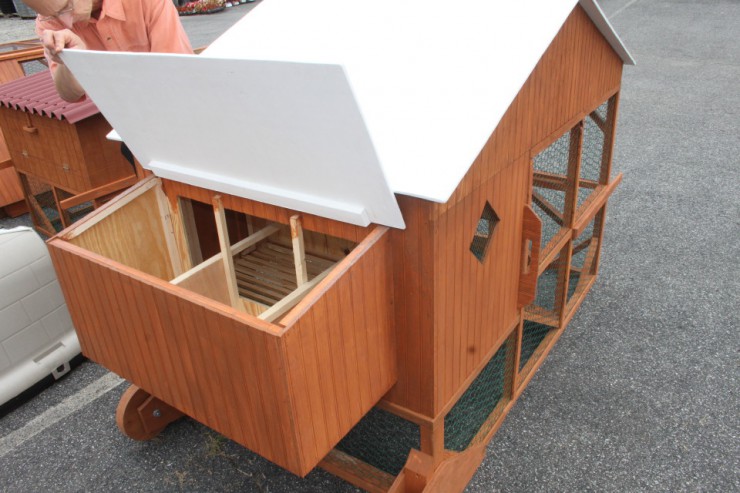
363	269
59	150
17	59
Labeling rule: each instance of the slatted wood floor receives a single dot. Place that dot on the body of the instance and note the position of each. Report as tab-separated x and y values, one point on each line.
266	274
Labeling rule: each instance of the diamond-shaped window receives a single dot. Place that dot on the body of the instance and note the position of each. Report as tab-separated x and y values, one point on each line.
484	232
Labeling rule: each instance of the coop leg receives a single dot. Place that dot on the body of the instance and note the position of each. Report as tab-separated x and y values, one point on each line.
141	416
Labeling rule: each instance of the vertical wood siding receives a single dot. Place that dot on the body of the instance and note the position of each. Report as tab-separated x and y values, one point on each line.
340	351
476	302
413	279
189	353
289	393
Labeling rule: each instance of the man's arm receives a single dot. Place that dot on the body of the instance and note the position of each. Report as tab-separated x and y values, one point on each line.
54	42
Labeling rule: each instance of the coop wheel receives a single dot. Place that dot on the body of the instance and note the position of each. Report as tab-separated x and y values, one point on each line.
141	416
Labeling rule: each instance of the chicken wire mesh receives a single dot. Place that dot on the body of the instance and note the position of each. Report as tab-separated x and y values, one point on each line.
583	258
383	440
595	130
549	187
44	208
42	204
548	303
473	409
533	334
32	67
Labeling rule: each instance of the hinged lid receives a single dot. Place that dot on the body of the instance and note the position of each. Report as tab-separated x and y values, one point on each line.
283	133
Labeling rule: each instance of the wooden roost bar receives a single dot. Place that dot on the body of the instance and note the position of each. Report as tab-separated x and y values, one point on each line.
345	305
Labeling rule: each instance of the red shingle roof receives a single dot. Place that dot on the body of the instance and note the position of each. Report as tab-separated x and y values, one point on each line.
37	94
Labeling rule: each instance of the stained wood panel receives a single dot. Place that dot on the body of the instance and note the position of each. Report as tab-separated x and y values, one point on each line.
177	348
340	340
10	187
52	153
281	215
74	157
477	301
288	391
413	275
104	161
210	282
134	236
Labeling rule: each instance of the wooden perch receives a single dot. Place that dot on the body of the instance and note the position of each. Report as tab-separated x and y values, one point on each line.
299	250
281	307
223	239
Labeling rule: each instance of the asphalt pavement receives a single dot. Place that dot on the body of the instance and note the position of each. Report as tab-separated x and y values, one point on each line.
641	391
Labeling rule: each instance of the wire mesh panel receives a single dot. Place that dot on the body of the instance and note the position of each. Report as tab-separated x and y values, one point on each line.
583	260
382	440
551	283
533	335
473	409
597	126
42	204
549	188
34	66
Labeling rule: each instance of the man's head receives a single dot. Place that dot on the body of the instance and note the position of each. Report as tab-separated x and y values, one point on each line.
68	12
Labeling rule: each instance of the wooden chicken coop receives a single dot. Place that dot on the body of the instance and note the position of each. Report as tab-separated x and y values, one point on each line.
363	268
60	152
17	59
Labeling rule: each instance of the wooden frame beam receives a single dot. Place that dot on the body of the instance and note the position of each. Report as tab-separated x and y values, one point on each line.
283	306
228	261
299	250
98	192
547	207
553	181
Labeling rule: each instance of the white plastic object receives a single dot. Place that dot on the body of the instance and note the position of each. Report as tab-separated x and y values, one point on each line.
37	338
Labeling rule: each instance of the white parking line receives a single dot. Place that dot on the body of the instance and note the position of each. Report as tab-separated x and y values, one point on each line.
55	414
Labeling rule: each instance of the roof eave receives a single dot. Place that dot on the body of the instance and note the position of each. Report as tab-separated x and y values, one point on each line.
598	17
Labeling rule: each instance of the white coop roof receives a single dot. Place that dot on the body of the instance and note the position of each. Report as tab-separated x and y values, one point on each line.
330	106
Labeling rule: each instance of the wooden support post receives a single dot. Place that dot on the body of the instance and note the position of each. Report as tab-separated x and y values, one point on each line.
96	193
169	231
574	171
191	231
228	260
598	235
513	350
433	439
38	216
63	216
609	136
299	250
561	289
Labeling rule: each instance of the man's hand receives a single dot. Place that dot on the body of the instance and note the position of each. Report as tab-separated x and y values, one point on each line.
56	41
